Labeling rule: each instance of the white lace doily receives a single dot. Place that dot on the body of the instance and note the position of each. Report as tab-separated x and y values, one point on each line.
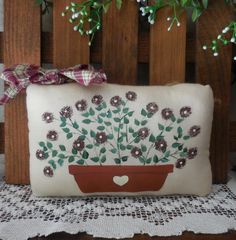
23	216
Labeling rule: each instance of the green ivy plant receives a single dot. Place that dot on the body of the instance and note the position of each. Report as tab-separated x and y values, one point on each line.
86	16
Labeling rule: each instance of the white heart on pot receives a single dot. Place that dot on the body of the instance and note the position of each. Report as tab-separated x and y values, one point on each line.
120	180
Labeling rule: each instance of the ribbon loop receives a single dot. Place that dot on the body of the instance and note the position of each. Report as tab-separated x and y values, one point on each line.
19	77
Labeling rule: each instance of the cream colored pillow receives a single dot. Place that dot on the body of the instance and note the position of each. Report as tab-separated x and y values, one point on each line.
123	140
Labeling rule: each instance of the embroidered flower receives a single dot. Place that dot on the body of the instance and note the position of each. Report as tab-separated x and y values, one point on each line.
101	137
132	96
48	117
52	135
78	145
115	101
143	133
194	131
152	107
180	163
185	112
81	105
97	99
40	155
161	145
192	153
136	152
167	113
48	172
66	112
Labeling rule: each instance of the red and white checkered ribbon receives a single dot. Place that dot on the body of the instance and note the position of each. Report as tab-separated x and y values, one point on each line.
19	77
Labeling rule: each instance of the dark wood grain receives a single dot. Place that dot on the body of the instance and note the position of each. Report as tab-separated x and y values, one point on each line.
69	47
216	71
21	45
186	236
232	134
167	50
120	43
1	138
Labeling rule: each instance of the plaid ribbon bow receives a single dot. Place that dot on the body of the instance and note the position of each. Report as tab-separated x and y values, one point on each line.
19	77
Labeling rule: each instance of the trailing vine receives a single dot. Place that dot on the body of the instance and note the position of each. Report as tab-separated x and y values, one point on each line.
86	16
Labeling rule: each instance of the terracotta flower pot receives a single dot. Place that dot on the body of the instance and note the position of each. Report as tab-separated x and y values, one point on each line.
92	179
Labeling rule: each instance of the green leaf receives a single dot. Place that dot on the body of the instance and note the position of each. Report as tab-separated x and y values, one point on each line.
131	130
120	139
143	112
196	14
53	164
60	162
102	114
180	120
180	132
168	129
71	159
92	134
136	122
84	131
152	138
91	112
148	161
75	125
113	150
74	151
61	155
85	154
87	121
63	119
143	148
186	137
164	160
45	149
110	136
129	147
103	159
144	122
63	124
142	160
205	3
137	139
103	150
66	130
160	126
130	114
54	153
89	146
41	144
173	118
49	145
175	145
80	162
100	128
126	120
69	135
167	154
125	110
106	6
118	4
46	155
117	119
122	147
116	110
116	129
176	138
107	123
155	159
183	154
62	147
117	161
100	120
124	159
85	114
95	159
109	114
180	147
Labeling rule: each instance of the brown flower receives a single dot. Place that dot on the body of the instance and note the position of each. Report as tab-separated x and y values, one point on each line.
136	152
192	153
48	117
194	131
152	107
167	113
131	96
185	112
40	155
48	172
78	145
97	99
101	137
52	135
180	163
115	101
66	112
81	105
161	145
143	133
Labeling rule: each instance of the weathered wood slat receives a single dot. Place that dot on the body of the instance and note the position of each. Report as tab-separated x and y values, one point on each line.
232	133
216	71
69	47
120	43
1	138
167	50
21	44
96	48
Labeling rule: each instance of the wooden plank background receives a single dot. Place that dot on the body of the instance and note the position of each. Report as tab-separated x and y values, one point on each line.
21	44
